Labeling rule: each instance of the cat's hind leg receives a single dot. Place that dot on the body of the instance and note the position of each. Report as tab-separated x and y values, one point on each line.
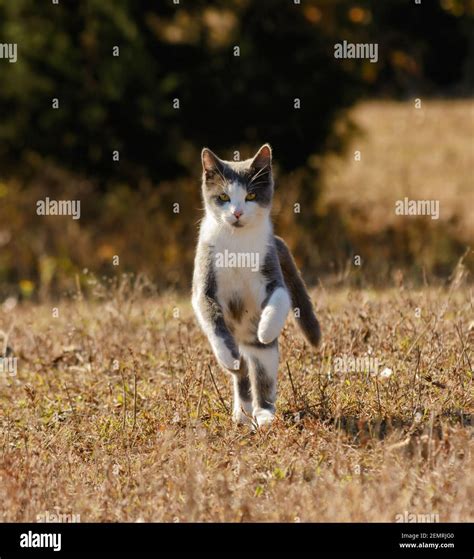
263	368
242	410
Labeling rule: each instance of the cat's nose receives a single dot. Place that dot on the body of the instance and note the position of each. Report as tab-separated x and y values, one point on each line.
238	213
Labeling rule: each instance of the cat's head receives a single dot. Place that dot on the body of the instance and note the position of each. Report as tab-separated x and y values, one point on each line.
238	193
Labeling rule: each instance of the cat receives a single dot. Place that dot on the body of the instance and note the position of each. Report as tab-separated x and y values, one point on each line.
245	281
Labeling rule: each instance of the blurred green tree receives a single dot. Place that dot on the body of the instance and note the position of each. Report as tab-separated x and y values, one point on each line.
186	52
168	54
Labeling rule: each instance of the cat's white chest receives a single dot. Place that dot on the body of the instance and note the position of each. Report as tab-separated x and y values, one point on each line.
238	268
238	260
238	263
242	283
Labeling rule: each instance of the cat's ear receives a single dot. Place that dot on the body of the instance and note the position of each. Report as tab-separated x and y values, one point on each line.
263	158
210	161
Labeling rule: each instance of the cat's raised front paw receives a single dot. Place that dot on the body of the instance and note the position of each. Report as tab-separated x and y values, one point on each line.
269	327
273	316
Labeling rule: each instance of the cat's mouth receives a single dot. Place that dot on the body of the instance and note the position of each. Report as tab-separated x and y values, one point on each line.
237	224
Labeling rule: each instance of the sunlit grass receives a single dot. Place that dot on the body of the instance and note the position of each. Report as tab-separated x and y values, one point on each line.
113	414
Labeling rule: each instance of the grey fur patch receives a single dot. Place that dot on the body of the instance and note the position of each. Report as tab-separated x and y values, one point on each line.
272	273
264	386
261	184
243	383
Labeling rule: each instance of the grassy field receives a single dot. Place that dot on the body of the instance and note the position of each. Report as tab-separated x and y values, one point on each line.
118	412
423	154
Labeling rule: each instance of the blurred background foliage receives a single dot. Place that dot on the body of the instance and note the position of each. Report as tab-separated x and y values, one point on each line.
185	52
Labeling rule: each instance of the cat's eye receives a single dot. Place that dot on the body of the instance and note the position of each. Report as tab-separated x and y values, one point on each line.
250	196
224	197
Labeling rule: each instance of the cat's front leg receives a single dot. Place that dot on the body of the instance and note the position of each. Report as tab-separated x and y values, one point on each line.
274	315
211	319
209	311
277	304
226	352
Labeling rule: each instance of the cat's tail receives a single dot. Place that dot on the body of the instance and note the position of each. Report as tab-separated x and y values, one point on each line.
305	317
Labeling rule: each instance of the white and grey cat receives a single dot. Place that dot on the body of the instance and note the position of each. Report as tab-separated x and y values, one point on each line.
246	281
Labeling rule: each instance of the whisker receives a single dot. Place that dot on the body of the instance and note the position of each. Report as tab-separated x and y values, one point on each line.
266	167
257	183
224	180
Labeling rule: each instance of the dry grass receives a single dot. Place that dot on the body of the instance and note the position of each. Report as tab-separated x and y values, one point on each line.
424	154
152	438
